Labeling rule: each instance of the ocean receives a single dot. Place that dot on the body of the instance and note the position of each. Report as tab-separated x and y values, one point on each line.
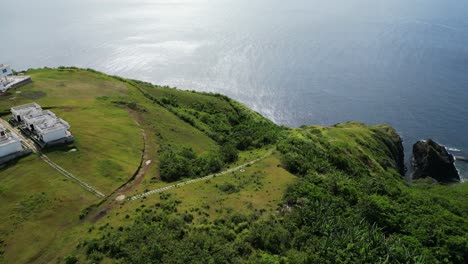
400	62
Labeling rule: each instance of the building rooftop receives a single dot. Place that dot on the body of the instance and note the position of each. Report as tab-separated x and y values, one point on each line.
7	138
27	109
47	122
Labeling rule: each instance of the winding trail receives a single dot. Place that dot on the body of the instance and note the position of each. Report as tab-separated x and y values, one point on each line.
118	195
137	176
166	188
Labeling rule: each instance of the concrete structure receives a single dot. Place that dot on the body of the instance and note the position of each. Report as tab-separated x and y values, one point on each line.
5	71
47	126
9	81
19	113
9	143
42	126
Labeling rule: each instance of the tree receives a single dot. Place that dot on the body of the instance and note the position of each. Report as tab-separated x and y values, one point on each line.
174	167
229	153
71	260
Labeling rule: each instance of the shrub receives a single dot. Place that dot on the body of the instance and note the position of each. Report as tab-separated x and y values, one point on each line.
228	187
174	167
229	152
70	260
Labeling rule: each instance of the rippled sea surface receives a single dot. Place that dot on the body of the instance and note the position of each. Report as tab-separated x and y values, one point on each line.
297	62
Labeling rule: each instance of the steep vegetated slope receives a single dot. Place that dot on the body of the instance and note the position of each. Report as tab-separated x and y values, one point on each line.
350	204
231	125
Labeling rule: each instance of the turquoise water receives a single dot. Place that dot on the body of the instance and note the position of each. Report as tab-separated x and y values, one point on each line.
399	62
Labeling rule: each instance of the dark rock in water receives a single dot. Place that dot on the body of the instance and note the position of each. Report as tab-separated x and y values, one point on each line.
432	160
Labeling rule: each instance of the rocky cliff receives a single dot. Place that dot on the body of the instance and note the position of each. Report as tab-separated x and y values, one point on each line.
432	160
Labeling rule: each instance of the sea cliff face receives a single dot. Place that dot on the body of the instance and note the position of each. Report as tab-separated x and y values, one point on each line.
394	144
433	160
352	147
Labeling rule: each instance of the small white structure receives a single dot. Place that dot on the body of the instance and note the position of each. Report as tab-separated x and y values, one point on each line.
5	71
9	143
28	110
9	81
47	126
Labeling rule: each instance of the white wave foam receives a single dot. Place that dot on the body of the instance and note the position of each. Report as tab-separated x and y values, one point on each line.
453	149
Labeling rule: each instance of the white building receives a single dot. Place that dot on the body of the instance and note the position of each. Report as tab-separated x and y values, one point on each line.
9	81
20	112
5	71
44	125
9	143
47	126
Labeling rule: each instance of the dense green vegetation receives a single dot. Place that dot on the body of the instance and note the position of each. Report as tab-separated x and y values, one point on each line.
185	163
369	198
350	205
221	118
230	124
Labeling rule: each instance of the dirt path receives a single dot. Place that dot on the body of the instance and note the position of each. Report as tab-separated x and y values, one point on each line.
145	161
166	188
118	195
139	174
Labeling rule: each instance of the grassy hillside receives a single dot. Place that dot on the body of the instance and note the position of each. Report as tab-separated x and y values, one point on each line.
318	195
40	206
350	187
349	205
117	129
102	131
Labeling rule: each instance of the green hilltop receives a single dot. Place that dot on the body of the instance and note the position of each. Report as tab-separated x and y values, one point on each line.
193	177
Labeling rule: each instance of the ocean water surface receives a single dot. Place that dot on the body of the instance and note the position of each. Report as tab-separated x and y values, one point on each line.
297	62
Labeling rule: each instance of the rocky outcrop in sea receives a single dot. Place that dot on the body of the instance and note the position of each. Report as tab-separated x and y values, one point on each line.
433	160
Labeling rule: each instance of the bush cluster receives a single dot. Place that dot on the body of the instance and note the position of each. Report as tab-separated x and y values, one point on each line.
187	164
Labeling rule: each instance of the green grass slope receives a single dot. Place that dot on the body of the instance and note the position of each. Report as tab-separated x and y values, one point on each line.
40	206
362	209
113	121
221	118
103	131
349	205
